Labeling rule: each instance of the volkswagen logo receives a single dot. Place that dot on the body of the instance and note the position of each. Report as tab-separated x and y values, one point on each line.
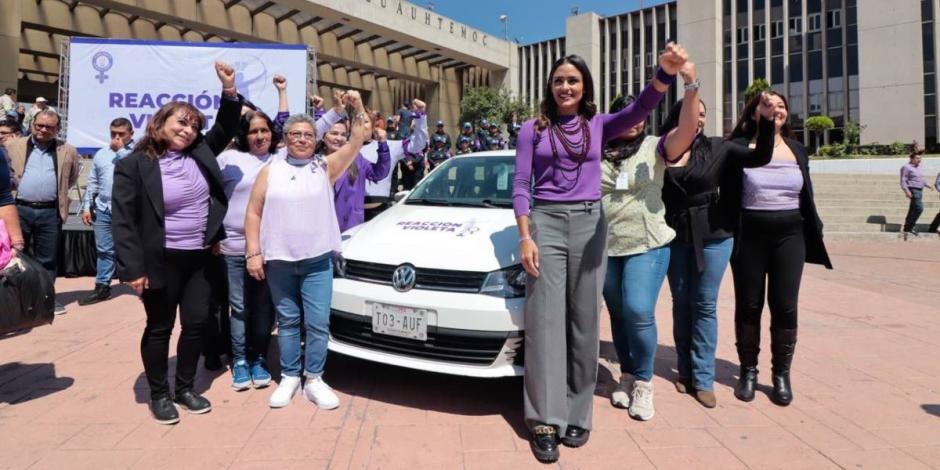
404	277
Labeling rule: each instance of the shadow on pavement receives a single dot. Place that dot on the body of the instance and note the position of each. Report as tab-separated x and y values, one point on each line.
201	384
21	382
726	372
466	396
933	409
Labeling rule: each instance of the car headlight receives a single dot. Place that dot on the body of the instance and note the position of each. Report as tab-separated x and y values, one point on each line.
339	266
507	283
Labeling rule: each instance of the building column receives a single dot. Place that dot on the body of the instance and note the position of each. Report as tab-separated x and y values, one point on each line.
583	34
10	23
699	31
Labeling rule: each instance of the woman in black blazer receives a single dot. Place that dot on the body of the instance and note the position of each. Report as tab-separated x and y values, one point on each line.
778	231
168	206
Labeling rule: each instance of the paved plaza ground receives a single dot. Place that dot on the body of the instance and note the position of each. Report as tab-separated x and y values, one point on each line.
866	378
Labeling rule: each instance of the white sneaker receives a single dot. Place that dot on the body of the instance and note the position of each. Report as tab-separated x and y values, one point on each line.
641	406
284	392
59	309
620	398
317	391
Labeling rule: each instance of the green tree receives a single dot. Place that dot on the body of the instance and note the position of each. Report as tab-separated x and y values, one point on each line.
853	132
818	124
493	104
757	86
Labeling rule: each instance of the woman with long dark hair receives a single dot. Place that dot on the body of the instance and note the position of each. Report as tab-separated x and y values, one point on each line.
703	209
780	230
168	204
562	244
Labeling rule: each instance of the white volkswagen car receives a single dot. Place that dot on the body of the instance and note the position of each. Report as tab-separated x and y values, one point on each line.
435	282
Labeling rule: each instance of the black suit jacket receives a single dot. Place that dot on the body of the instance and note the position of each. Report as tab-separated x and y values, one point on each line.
137	219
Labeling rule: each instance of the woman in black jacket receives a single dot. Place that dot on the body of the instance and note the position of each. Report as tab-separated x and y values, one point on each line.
779	231
168	205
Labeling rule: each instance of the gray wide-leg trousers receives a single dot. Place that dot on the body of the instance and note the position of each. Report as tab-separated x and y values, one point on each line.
561	313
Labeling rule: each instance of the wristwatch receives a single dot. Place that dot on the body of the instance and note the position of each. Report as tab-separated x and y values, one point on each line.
693	86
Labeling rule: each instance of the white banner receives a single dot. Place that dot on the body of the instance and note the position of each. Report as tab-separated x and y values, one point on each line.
111	78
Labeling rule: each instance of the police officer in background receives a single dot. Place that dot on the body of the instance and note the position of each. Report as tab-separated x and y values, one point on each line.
482	133
463	147
440	150
440	132
494	140
467	135
512	127
404	120
391	127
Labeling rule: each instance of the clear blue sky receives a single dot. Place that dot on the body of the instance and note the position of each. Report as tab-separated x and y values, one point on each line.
529	20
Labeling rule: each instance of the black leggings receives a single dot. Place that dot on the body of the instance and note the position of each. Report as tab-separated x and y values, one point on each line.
188	286
770	252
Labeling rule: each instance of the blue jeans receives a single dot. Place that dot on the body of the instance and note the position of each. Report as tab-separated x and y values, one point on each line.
630	291
302	290
694	305
104	246
252	312
41	230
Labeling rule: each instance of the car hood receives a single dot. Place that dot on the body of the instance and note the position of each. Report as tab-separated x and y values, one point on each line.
455	238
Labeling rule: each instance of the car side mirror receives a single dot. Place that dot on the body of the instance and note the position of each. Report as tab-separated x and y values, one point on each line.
401	195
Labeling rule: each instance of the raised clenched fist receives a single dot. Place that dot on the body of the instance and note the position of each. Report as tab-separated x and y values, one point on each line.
672	58
280	82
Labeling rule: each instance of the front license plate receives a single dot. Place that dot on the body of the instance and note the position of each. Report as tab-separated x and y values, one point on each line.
404	322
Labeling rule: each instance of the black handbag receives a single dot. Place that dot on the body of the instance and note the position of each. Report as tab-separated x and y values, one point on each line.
27	295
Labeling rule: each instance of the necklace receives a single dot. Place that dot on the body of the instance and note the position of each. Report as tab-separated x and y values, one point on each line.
298	168
566	135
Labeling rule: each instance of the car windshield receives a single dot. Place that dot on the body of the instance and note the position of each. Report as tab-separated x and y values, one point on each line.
468	181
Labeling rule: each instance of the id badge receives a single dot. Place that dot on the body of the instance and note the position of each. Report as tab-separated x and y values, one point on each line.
623	182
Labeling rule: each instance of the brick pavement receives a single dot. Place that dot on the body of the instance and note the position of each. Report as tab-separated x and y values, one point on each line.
866	378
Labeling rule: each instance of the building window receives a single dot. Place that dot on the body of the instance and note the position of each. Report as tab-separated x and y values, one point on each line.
759	32
814	22
742	35
776	29
796	26
833	19
649	59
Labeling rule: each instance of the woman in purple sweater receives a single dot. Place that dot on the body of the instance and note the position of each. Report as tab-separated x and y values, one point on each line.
562	244
350	189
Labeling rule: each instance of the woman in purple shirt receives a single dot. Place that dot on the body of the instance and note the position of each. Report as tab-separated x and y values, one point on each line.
350	189
168	204
562	244
779	230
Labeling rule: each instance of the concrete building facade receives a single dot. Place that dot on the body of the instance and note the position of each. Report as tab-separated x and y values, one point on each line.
867	61
390	50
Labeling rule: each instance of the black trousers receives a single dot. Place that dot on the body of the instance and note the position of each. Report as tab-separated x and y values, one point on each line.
768	261
188	286
914	209
410	178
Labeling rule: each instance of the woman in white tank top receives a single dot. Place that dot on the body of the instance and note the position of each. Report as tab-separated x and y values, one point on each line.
291	234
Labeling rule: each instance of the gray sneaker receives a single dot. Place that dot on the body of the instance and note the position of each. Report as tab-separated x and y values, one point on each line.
59	308
620	398
641	406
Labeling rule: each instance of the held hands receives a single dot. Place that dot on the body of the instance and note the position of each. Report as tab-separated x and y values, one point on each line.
380	134
418	105
765	108
688	72
280	82
86	217
672	58
226	74
530	257
357	131
316	101
140	284
339	100
255	267
355	100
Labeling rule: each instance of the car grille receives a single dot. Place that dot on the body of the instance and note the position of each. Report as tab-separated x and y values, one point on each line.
430	279
443	344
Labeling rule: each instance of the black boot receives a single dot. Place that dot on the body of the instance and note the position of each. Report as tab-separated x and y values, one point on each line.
748	344
101	292
782	345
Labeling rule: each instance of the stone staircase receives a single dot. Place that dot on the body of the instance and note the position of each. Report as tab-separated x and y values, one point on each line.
869	207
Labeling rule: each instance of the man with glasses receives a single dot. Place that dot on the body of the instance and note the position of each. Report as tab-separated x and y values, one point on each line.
96	208
44	169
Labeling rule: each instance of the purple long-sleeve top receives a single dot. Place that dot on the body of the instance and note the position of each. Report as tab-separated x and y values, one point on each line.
566	181
912	177
350	197
185	201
